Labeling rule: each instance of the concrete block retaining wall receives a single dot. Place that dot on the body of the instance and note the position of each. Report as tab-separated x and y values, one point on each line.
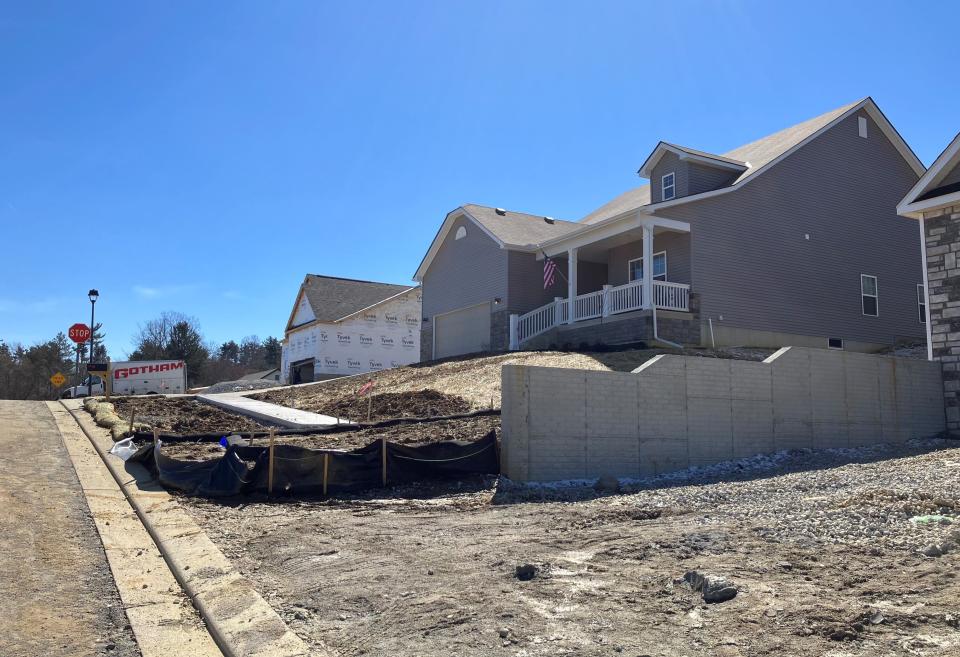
676	412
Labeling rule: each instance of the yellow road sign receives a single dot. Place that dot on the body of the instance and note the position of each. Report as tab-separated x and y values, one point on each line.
58	379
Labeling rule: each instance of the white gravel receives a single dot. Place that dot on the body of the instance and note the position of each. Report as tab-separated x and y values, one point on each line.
869	496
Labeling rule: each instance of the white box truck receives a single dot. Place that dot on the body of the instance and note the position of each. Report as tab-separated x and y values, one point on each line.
143	377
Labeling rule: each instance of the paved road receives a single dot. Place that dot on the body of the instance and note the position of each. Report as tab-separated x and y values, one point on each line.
57	596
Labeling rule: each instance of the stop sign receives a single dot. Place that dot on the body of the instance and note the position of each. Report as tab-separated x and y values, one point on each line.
79	333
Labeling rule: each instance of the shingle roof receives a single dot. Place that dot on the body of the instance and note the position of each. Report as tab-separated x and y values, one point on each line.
333	298
757	154
712	156
256	376
518	228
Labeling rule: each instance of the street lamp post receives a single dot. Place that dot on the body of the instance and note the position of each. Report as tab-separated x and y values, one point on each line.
93	295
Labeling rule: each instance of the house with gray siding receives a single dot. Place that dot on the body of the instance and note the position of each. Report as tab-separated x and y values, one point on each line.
793	239
934	202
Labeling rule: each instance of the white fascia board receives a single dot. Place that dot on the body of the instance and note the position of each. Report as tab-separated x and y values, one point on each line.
606	229
663	147
296	304
374	305
441	236
866	104
305	325
891	133
929	180
594	233
916	209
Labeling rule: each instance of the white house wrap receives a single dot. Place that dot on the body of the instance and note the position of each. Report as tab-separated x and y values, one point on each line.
341	327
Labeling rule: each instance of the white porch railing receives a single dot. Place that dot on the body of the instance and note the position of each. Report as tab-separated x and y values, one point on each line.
588	306
622	298
671	296
608	301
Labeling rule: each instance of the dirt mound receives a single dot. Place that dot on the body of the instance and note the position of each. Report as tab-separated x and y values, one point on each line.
182	415
389	405
473	428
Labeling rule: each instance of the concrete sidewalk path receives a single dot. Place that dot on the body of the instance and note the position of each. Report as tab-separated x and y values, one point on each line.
57	594
270	413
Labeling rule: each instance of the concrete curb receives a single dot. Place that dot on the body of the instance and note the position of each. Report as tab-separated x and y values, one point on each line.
238	618
163	622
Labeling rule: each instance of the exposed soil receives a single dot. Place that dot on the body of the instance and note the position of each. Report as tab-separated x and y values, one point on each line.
472	428
57	595
824	548
389	405
182	415
476	379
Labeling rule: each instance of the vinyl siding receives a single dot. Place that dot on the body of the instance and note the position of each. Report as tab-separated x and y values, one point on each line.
669	162
751	263
464	272
677	246
526	280
526	283
702	178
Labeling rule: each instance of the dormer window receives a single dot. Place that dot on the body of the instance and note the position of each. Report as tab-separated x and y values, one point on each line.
668	187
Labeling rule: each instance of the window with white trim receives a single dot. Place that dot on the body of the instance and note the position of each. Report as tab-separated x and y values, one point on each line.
460	234
668	187
869	299
635	267
922	303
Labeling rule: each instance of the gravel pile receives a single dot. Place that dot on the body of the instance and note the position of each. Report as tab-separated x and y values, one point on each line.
901	497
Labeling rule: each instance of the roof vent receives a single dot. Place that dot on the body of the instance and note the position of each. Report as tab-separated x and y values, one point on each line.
500	211
549	220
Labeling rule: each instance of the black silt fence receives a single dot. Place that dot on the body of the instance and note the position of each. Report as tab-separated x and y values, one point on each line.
245	469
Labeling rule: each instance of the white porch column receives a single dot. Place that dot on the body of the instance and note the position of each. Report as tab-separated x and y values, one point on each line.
647	266
571	283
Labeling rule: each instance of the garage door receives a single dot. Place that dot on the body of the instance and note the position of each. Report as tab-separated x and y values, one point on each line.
462	331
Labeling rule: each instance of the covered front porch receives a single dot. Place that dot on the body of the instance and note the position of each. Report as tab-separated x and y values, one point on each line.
610	271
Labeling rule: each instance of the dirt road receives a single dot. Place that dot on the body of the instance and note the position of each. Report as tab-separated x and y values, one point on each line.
824	547
57	596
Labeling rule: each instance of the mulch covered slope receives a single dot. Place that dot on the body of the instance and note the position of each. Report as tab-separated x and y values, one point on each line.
182	415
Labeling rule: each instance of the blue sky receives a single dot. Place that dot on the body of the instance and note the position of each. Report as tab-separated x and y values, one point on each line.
209	154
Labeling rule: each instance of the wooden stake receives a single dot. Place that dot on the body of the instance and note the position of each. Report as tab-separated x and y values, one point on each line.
326	469
133	414
270	470
251	437
155	434
383	451
369	406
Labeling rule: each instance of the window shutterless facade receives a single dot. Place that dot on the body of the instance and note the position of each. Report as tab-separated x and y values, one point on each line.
869	297
635	267
668	187
922	303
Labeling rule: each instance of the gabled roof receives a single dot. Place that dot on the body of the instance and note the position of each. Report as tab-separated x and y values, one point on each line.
930	192
761	155
333	299
256	376
685	153
518	231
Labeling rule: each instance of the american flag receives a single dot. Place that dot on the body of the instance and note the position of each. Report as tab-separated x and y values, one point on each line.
549	272
365	388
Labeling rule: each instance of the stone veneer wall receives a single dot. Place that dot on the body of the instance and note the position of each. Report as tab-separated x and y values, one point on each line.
942	237
426	341
500	330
